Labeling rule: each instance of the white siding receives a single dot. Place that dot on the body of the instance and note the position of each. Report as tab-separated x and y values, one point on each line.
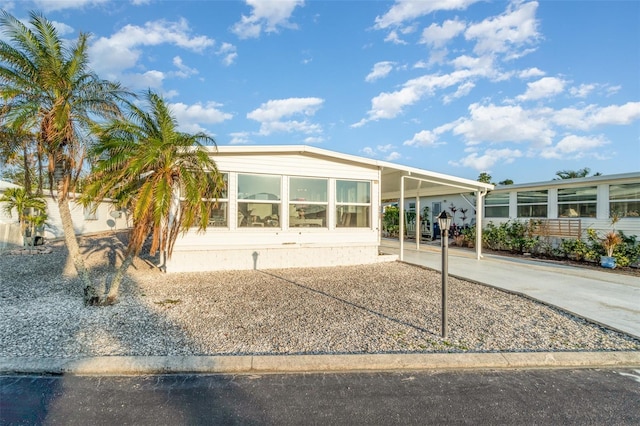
234	248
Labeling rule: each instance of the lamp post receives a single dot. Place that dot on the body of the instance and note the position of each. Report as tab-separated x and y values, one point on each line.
444	221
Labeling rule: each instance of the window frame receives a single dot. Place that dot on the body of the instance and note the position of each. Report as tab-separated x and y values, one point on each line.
578	203
299	219
259	221
341	222
532	205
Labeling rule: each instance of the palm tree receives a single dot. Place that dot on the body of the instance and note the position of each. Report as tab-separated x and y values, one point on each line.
47	85
575	174
29	207
166	178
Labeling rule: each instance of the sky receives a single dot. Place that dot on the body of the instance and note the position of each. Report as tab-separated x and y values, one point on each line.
517	89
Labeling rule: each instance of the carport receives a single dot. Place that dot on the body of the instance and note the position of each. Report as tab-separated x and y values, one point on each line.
401	182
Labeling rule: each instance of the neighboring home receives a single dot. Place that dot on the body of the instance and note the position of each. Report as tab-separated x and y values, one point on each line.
105	218
586	202
569	206
296	206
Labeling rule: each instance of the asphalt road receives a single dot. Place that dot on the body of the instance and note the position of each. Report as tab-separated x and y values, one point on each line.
559	396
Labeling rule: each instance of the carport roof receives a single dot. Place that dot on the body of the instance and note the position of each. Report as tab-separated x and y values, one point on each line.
427	182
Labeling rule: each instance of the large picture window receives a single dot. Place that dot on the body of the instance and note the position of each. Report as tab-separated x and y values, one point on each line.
624	199
308	202
577	202
496	205
259	200
353	204
532	203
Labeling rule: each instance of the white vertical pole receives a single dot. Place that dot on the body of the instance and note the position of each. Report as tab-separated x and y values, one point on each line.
401	233
479	216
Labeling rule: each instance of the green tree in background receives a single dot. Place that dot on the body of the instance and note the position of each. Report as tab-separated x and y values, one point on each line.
574	174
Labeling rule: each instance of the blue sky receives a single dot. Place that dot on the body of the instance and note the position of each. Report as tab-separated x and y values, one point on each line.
517	89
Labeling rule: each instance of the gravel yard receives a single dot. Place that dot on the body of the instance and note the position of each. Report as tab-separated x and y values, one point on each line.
383	308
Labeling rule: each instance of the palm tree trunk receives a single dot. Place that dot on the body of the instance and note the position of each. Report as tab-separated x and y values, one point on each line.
90	293
114	287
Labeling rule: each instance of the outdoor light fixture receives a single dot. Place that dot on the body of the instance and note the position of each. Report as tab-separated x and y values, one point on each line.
444	220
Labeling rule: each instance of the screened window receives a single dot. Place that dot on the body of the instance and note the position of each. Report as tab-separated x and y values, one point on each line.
353	204
496	205
91	212
308	202
577	202
624	199
220	207
532	203
259	200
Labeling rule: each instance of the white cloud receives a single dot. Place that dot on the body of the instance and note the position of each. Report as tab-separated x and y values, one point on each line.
62	28
408	10
183	70
266	16
488	159
495	124
51	5
113	55
546	87
272	113
592	115
385	148
393	156
463	90
313	140
515	28
386	151
573	146
390	104
368	151
423	138
191	117
228	52
149	79
380	70
531	72
582	91
438	35
394	38
239	138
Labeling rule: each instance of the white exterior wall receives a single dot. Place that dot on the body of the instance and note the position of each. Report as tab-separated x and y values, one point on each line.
235	248
103	222
601	223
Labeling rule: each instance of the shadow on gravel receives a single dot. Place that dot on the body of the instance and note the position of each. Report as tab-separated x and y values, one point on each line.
353	305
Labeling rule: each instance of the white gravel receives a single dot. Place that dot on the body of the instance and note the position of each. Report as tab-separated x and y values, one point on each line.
383	308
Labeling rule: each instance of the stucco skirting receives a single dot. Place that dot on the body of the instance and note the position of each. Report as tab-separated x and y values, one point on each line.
273	257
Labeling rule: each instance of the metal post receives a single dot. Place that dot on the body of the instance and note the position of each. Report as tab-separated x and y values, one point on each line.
445	275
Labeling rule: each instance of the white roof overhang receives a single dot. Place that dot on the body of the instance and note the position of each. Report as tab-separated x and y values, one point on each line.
427	183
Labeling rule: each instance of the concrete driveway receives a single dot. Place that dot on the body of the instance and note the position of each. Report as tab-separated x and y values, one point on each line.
603	297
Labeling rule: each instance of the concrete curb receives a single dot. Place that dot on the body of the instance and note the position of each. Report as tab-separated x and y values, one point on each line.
251	364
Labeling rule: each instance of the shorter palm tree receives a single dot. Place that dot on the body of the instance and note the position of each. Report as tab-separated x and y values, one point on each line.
31	209
163	176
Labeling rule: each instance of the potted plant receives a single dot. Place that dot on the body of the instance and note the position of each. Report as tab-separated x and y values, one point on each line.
610	241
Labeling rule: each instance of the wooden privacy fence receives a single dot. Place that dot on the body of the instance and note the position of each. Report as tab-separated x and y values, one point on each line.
564	228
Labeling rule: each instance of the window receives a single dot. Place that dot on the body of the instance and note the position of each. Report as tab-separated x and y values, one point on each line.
308	202
220	207
624	199
259	200
496	205
353	204
91	212
577	202
532	203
